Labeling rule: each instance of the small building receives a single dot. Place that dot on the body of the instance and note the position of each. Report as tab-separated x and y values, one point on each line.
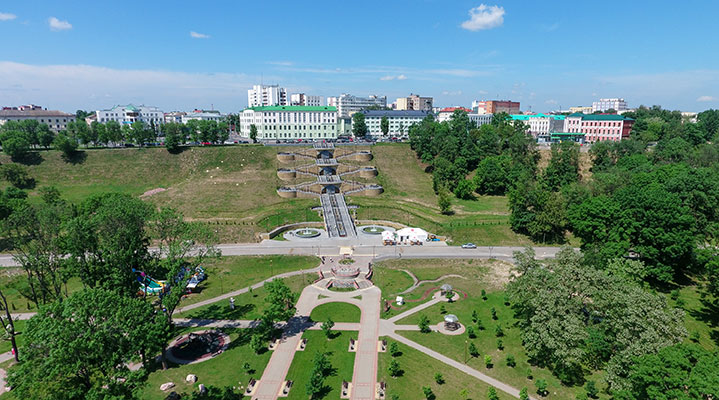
599	127
399	121
446	288
446	113
55	120
451	322
130	113
412	235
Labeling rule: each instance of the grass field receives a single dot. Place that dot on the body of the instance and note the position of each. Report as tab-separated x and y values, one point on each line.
418	371
233	189
249	305
338	311
340	358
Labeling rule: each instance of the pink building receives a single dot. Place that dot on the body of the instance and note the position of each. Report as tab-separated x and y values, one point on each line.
599	127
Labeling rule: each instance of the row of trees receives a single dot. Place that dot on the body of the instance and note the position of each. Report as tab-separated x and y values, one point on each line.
79	344
19	137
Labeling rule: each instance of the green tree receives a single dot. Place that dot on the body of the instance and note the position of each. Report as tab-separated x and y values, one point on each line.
257	342
394	349
113	133
428	394
488	361
524	394
279	304
315	385
591	388
473	351
492	394
541	385
175	136
359	127
79	348
464	189
66	144
563	167
384	125
15	144
493	175
253	133
17	175
45	136
327	327
423	324
444	202
394	368
439	378
511	362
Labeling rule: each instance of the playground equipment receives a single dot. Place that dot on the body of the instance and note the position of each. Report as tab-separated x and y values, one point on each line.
196	278
149	285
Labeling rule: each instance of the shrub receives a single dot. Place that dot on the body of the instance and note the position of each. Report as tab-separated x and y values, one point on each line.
511	362
438	378
470	332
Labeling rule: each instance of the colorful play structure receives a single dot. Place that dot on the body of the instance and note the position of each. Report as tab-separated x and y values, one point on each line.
149	285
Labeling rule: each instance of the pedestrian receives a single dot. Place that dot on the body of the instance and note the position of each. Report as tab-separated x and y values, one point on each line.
232	303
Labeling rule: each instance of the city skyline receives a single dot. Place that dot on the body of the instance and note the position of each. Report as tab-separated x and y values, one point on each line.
87	56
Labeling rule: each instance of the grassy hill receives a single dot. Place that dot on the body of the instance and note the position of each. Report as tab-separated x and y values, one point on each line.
233	188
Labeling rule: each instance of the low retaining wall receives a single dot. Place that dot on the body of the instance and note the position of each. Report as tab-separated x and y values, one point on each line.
289	227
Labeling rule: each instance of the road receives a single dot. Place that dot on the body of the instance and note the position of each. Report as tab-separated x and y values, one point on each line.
331	247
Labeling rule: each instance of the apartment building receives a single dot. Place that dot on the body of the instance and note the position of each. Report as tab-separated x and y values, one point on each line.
599	127
302	99
399	121
56	120
290	122
130	113
348	104
414	102
267	95
615	104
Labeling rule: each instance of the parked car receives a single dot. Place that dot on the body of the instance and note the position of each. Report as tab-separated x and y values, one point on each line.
469	246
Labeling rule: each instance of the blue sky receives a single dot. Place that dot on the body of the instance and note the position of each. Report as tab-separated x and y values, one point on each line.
182	55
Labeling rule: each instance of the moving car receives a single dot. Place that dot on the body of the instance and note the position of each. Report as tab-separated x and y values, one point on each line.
469	246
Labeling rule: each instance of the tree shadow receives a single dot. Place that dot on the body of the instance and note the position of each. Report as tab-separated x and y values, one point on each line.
216	311
709	314
76	157
30	158
178	150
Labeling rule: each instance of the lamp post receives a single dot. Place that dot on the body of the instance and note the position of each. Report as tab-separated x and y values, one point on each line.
465	351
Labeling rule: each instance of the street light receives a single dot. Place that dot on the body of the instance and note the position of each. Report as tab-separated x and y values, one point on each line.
465	351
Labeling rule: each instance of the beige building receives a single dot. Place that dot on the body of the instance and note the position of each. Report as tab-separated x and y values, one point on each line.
581	109
56	120
414	102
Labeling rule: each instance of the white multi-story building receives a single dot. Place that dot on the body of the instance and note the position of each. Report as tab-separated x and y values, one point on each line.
174	117
607	104
266	95
541	125
202	115
56	120
332	101
290	122
302	99
399	121
480	119
348	104
129	114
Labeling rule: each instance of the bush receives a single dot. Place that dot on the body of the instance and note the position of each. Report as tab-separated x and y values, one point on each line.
494	313
428	394
488	361
511	362
470	332
541	387
591	389
438	378
492	394
524	394
498	331
473	350
500	344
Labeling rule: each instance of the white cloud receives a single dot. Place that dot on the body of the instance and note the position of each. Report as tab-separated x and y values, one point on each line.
550	101
197	35
706	98
484	17
69	87
452	93
399	77
7	16
58	25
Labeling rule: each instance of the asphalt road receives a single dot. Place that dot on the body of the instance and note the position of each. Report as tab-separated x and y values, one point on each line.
332	248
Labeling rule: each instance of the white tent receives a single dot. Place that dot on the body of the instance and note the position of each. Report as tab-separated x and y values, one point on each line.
412	235
388	236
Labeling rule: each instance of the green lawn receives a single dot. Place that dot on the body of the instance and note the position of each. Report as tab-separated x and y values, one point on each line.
390	281
342	361
701	316
236	272
418	371
486	342
13	284
338	311
223	370
248	305
5	344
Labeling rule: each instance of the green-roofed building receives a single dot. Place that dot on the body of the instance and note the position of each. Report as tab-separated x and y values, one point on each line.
290	122
599	127
540	125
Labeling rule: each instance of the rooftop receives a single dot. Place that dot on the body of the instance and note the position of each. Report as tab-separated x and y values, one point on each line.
33	113
395	113
453	109
293	108
526	117
600	117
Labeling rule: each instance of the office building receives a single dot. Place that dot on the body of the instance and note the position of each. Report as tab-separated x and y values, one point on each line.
130	113
347	104
290	122
541	125
414	102
399	121
609	104
445	114
599	127
202	115
480	119
56	120
581	109
267	95
302	99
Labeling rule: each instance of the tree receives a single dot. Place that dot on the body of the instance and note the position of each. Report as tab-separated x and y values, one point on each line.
113	133
563	167
423	324
470	333
45	136
257	342
253	133
79	348
17	175
327	327
464	189
444	202
541	385
498	331
493	175
215	393
15	144
591	388
359	127
488	361
394	349
511	362
175	135
66	144
439	378
394	369
523	394
473	351
682	371
384	125
492	394
9	327
560	303
315	385
428	394
279	305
